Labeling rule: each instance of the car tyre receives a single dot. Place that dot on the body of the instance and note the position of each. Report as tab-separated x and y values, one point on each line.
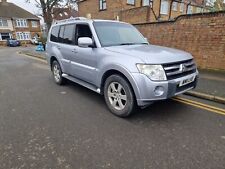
119	96
57	73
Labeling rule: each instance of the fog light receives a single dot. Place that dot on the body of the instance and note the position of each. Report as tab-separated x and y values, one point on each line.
159	91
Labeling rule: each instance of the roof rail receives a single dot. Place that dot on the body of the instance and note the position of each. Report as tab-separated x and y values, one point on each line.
70	19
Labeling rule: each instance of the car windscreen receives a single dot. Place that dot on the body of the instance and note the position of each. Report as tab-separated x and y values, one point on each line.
116	34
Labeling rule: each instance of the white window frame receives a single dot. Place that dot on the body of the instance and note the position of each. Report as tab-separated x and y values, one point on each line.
4	21
147	3
102	5
34	24
131	2
174	6
199	10
190	9
164	8
22	23
181	7
23	36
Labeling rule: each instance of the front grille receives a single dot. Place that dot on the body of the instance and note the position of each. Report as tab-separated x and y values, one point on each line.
179	69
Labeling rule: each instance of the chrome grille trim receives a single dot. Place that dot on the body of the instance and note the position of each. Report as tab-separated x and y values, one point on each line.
179	69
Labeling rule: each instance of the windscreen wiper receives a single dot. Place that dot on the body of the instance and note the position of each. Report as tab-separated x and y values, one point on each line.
145	43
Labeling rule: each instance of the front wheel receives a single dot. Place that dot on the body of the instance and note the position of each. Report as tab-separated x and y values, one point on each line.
119	96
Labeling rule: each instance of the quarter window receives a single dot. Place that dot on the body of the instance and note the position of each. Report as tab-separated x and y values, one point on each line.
102	4
54	34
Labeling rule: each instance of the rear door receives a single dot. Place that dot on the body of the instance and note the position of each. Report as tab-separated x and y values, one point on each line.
66	45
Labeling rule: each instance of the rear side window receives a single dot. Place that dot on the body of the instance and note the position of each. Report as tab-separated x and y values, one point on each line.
54	34
69	34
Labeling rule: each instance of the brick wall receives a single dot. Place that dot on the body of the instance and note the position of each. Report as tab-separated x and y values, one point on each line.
127	12
203	35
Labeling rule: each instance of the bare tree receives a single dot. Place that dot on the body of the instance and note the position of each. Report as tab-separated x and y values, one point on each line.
47	6
219	5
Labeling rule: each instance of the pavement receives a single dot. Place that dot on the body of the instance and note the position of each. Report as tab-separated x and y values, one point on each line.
43	125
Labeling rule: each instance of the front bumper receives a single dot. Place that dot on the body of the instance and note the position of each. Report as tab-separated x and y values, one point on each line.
145	88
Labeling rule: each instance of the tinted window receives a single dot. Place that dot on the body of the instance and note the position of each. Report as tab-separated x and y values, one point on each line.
61	32
54	34
68	37
82	31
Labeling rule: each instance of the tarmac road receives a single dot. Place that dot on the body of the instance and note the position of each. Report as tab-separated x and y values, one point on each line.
45	126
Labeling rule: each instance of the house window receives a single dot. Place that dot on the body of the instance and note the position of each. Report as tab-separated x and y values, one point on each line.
5	36
131	2
181	7
174	6
23	35
164	7
21	23
34	24
147	3
190	9
199	10
3	23
102	4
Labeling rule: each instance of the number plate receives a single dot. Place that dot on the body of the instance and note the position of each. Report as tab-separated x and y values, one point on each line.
187	81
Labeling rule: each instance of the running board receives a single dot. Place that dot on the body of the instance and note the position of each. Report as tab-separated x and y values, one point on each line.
82	83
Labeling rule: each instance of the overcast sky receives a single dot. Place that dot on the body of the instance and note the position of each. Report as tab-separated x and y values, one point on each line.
28	6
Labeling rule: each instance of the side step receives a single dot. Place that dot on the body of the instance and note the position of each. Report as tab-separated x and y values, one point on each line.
82	83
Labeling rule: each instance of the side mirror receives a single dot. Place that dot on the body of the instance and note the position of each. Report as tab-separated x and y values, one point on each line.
85	42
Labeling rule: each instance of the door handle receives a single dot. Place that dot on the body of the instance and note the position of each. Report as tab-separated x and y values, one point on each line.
58	47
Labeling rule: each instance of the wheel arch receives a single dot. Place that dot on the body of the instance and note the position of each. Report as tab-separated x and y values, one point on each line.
125	75
52	59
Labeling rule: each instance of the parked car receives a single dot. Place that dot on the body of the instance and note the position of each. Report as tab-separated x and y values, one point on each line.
114	59
35	40
13	42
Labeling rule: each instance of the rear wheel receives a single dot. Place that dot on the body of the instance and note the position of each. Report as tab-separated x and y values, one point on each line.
57	73
119	96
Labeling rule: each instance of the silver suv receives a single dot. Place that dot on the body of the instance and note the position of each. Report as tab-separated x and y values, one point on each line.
113	59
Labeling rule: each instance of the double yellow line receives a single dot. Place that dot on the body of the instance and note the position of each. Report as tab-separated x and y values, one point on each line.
200	105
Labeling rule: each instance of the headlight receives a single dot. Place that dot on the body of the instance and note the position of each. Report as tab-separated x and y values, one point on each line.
154	72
